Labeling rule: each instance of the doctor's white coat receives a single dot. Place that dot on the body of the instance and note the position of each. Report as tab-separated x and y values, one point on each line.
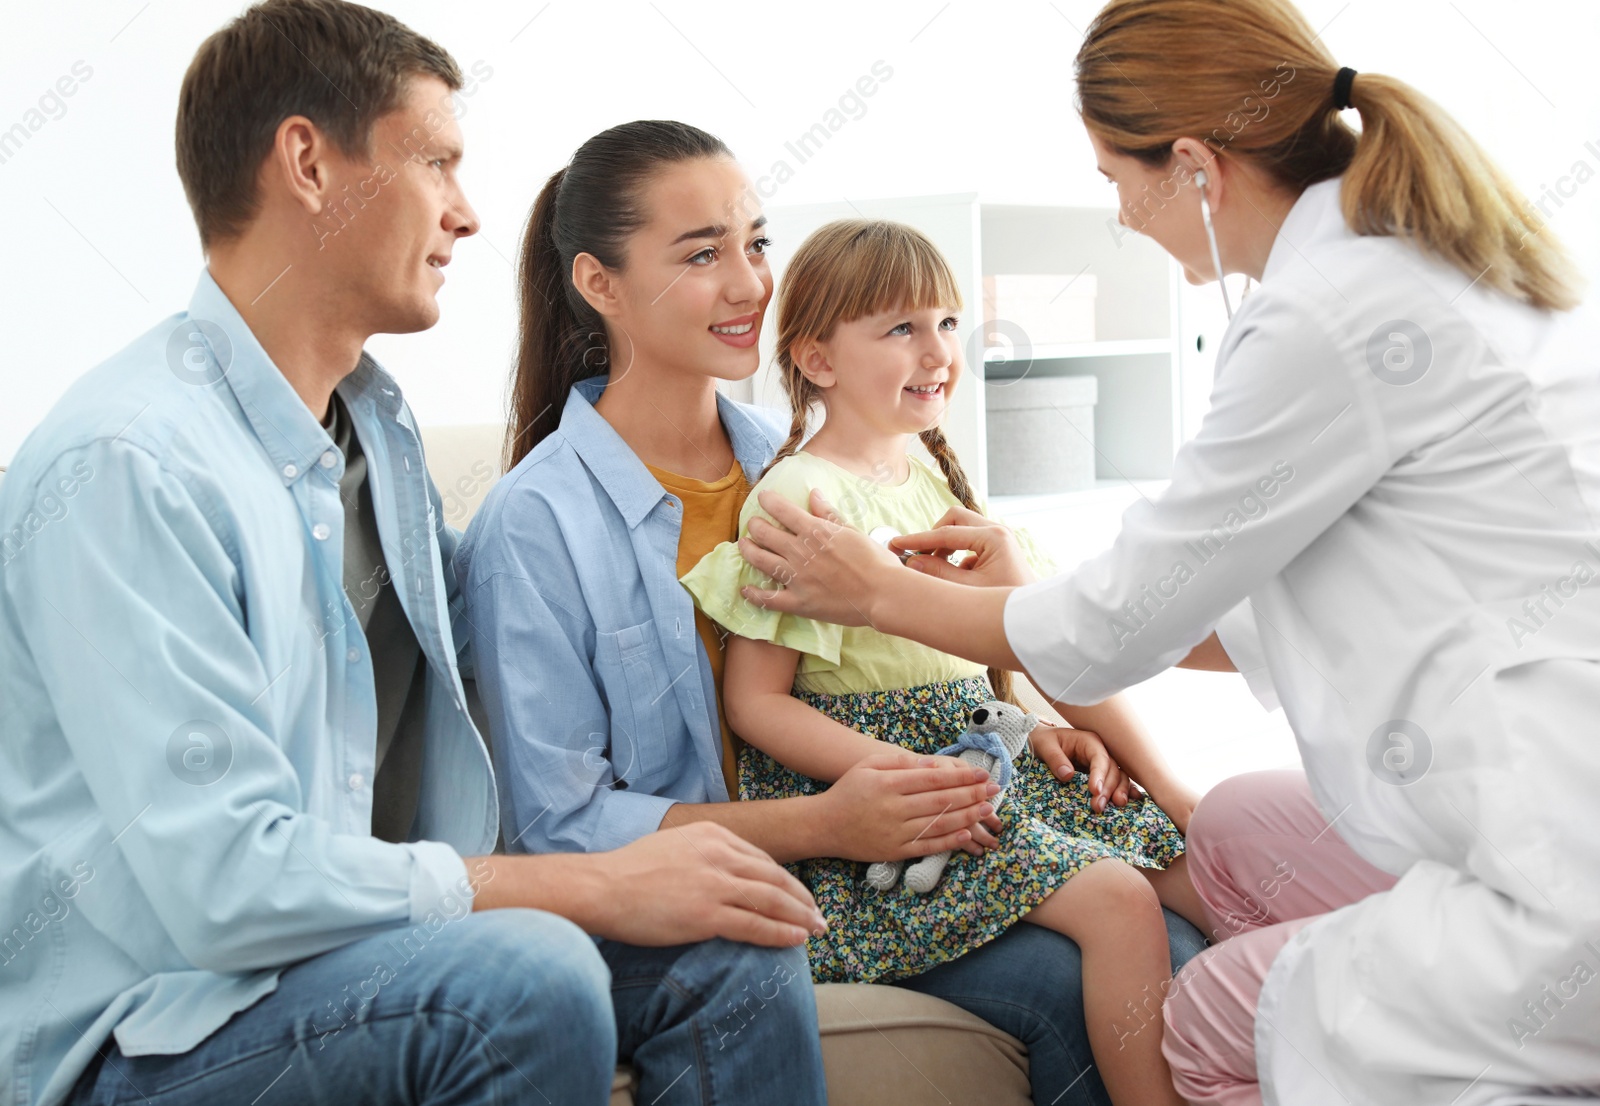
1391	516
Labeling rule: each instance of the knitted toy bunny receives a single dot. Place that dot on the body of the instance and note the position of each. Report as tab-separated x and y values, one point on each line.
998	733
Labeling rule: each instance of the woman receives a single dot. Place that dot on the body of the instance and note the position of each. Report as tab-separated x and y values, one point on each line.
643	283
1388	517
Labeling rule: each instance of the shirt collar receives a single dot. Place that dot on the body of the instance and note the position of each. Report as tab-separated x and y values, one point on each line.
618	469
291	435
1315	216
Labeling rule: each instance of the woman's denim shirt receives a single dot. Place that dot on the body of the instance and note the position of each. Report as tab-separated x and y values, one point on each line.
601	707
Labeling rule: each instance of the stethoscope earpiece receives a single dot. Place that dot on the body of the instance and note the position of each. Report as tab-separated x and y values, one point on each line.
1200	181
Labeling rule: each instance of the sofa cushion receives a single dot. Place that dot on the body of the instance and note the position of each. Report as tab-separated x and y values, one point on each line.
886	1046
464	461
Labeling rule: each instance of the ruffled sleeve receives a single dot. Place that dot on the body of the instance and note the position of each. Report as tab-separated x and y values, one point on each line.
715	581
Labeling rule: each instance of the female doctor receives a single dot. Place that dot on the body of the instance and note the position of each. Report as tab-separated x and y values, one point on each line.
1389	521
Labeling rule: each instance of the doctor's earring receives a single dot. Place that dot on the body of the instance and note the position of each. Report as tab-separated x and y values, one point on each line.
1201	180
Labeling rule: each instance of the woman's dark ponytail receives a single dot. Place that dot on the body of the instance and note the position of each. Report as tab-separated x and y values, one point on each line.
591	206
548	321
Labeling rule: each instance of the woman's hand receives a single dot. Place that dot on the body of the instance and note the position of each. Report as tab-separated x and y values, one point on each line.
1065	749
825	570
994	559
896	806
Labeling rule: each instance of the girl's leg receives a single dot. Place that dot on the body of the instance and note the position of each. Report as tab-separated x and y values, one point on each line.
1116	920
1177	892
1028	982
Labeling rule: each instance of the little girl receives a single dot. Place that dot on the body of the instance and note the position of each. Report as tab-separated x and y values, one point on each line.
867	330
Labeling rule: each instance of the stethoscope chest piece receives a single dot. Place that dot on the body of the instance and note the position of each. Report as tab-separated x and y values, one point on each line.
882	534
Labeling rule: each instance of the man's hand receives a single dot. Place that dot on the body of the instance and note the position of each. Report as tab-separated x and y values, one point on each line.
695	882
897	806
994	558
1065	750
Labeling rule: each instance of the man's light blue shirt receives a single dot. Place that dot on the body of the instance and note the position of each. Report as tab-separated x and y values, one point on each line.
188	707
600	699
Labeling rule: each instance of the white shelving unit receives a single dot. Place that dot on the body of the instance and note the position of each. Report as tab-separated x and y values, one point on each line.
1153	338
1071	350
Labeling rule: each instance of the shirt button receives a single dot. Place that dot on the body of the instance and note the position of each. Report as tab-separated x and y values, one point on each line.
353	655
356	780
290	472
320	531
328	460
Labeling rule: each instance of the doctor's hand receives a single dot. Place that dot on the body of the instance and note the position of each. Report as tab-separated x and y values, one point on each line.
994	558
1065	750
825	570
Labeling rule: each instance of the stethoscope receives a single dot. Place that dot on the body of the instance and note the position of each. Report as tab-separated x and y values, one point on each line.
1200	180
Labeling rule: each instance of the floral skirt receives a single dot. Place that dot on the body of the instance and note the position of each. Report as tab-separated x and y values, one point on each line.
1050	833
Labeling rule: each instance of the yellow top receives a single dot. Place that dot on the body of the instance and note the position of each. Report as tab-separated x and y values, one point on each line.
710	517
838	660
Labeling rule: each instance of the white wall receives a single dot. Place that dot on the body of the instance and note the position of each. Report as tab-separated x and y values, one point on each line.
100	244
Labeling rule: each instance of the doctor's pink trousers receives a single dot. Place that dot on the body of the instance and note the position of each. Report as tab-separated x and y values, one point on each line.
1265	862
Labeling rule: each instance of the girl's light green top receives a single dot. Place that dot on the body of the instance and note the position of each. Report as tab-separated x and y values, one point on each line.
838	660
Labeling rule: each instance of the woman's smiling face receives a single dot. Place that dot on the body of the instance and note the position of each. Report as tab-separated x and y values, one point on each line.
894	372
695	284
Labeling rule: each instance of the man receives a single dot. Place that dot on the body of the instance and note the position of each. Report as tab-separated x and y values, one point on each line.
239	776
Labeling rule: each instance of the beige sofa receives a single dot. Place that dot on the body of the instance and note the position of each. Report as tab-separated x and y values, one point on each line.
883	1046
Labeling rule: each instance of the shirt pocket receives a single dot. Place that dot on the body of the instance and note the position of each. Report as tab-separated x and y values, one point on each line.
638	694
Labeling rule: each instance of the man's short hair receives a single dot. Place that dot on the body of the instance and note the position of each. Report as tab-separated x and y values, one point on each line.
341	65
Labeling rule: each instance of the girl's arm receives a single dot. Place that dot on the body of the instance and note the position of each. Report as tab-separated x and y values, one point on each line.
1130	744
756	680
1209	656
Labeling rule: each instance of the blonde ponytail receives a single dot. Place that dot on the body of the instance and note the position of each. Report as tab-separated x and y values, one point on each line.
1416	174
1251	80
802	395
938	448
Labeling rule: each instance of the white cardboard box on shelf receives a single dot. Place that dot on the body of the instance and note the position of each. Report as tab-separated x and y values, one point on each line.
1041	434
1049	309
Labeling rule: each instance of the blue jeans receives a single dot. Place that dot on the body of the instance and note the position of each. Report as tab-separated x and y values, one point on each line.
506	1006
1029	983
717	1022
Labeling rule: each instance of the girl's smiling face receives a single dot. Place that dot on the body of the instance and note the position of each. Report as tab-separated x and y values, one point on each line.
889	373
